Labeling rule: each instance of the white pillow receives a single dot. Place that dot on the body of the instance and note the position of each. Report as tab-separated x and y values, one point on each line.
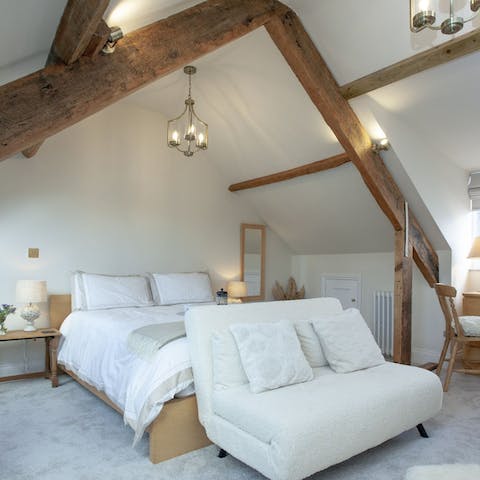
96	291
76	287
173	288
227	365
310	344
271	355
347	342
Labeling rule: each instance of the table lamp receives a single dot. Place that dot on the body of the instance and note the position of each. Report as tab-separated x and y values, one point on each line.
475	250
236	290
31	292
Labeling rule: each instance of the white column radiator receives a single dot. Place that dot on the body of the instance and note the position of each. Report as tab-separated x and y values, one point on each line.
383	321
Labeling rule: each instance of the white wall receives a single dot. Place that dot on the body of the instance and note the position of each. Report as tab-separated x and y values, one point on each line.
108	196
377	273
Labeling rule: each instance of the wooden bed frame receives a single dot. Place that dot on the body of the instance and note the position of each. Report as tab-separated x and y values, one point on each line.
174	432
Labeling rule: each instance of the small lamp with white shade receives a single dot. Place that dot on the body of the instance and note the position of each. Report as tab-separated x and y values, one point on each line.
236	291
31	292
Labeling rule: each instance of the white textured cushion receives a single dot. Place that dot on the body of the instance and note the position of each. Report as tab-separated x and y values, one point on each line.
227	366
173	288
470	325
310	344
347	342
114	291
271	355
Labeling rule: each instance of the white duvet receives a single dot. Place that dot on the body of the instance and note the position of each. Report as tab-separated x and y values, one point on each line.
94	347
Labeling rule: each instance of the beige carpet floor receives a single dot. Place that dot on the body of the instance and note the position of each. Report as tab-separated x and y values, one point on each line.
68	434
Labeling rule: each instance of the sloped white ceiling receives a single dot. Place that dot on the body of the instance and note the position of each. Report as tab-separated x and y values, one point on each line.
261	120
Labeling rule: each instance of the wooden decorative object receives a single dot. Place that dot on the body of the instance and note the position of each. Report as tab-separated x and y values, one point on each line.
174	432
290	293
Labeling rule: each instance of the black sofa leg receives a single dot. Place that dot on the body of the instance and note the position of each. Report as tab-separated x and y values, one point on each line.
421	430
222	453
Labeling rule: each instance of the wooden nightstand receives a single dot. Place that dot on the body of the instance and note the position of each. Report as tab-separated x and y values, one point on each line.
52	337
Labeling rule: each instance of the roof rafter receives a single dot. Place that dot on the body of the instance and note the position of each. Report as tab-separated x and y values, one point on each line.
81	23
443	53
307	169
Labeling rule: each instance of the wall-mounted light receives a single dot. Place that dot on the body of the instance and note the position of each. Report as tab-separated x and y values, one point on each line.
116	34
379	145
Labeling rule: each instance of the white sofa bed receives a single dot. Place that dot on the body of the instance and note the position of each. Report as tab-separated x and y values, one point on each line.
292	432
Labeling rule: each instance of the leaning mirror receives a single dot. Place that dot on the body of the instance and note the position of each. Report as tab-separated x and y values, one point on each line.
252	251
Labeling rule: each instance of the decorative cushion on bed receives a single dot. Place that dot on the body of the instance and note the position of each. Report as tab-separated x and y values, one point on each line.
271	355
347	342
112	291
228	370
173	288
470	325
310	344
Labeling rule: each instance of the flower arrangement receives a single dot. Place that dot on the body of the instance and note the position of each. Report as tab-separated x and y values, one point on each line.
5	311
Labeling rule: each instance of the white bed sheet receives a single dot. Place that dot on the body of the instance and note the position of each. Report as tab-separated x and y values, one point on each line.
94	347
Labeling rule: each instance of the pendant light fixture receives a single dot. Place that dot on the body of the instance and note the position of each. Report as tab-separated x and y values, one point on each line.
187	133
423	14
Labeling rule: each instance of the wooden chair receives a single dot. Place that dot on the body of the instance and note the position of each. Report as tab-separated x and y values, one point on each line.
454	334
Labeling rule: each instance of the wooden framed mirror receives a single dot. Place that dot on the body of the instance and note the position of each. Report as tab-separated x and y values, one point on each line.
252	254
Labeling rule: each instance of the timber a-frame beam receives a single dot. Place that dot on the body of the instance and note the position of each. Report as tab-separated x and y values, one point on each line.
42	104
81	27
307	169
294	43
443	53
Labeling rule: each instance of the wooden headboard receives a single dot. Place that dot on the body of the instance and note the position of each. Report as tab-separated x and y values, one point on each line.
59	307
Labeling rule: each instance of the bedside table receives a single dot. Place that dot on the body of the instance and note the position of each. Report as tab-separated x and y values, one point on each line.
52	337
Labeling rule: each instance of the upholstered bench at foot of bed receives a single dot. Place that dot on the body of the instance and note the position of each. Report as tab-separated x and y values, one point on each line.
293	432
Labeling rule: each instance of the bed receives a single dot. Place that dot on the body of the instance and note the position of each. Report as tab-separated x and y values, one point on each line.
176	429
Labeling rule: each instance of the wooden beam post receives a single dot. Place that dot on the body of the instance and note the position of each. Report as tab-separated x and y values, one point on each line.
77	26
307	169
80	25
443	53
42	104
402	344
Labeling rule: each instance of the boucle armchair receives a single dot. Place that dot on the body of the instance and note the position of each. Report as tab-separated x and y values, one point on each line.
292	432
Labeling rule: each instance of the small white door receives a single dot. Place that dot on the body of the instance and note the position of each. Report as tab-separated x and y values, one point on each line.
344	287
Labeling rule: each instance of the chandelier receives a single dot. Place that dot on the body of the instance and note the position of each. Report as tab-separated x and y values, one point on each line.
423	15
187	133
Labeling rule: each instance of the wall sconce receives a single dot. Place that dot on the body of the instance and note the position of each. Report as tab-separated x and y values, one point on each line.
379	145
116	34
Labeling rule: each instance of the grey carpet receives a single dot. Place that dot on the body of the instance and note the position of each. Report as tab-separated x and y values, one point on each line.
67	433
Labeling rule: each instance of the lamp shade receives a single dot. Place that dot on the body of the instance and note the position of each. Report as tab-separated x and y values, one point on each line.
31	291
475	250
237	289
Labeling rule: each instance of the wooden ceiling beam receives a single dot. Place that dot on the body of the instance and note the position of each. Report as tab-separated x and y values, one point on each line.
443	53
79	23
307	169
42	104
301	54
306	62
81	27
